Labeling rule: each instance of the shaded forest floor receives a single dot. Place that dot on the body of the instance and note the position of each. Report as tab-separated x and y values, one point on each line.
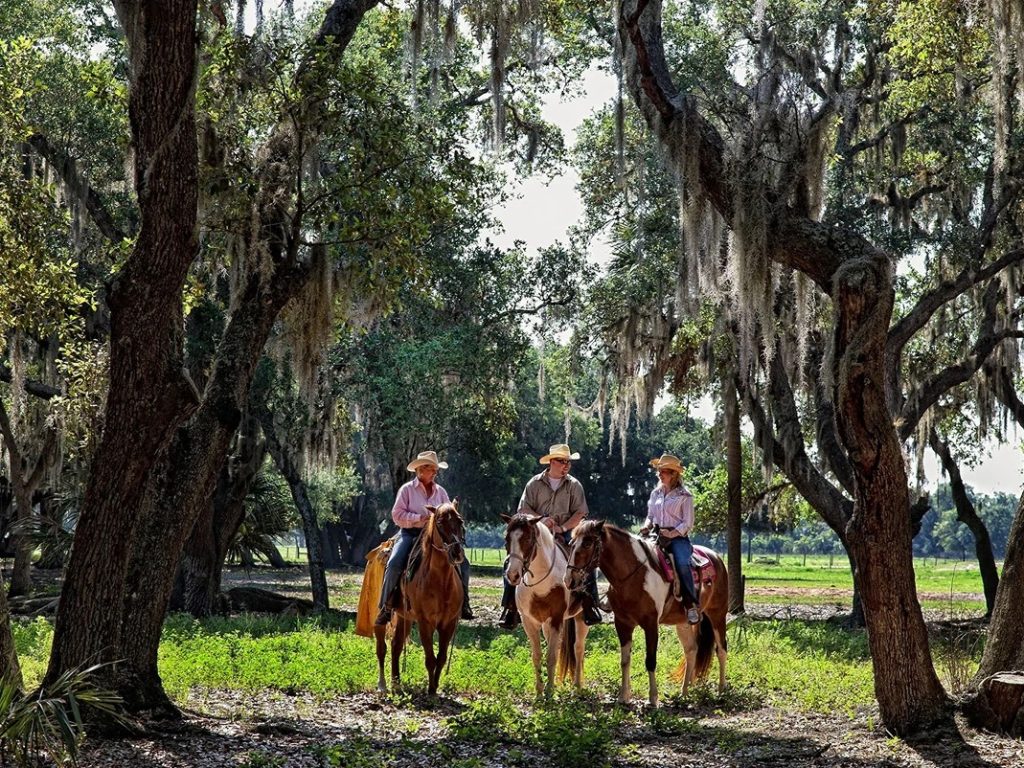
364	730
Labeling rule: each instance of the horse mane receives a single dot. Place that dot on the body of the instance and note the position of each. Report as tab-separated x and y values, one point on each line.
587	528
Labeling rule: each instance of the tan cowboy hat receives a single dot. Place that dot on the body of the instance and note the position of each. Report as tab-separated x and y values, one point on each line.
559	451
668	461
427	457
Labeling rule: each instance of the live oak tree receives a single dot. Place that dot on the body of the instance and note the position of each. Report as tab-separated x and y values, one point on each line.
752	157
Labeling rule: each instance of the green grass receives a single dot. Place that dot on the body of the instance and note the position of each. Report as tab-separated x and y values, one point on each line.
808	665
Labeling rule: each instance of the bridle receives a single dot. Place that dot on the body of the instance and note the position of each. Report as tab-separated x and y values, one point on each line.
594	561
451	549
533	553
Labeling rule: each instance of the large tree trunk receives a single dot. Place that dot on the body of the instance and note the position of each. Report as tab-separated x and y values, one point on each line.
967	515
1004	649
310	528
149	394
734	467
909	693
21	575
10	670
198	581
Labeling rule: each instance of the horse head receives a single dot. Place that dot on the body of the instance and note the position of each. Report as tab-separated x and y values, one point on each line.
585	552
450	528
522	536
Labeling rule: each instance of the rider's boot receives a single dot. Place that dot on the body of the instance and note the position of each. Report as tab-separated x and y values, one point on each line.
509	617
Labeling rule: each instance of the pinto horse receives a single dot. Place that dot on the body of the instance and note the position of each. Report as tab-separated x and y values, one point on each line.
432	598
536	568
640	596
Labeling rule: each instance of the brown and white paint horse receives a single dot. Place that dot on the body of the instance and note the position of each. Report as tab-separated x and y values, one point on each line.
432	598
639	596
536	568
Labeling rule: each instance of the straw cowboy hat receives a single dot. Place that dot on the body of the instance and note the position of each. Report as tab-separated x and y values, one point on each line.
427	457
559	451
667	461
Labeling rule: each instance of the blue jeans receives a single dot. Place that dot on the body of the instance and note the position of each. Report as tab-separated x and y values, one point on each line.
397	562
400	558
682	551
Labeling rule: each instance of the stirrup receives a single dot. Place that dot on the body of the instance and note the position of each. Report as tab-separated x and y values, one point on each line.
693	615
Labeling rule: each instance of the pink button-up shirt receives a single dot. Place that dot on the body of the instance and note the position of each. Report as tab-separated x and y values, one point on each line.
410	510
670	509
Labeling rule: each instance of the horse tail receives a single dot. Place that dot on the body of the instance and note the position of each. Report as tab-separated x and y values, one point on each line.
567	650
705	648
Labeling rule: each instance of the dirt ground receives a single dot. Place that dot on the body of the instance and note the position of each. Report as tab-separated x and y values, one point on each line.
369	730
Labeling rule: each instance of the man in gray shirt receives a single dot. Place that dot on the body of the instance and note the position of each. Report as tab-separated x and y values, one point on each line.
558	498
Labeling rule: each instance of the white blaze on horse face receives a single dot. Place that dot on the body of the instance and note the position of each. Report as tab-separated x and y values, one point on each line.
514	571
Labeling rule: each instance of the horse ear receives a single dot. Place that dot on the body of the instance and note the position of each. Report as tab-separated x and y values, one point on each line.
431	508
455	503
600	527
506	518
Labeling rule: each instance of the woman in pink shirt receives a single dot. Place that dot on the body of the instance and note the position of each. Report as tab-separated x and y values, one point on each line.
410	514
670	510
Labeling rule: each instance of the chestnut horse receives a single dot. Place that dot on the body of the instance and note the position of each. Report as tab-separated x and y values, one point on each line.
640	596
432	598
536	568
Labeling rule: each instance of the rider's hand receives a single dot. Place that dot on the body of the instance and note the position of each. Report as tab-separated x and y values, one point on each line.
549	522
645	530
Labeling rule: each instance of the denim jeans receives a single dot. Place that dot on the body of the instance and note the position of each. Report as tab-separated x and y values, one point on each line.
682	551
397	562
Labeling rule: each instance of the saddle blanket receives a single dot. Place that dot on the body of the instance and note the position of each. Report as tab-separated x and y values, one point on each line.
701	566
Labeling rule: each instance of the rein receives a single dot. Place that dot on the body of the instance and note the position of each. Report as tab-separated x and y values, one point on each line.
594	562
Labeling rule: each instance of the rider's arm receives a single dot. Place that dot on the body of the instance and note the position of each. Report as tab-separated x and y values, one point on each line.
685	511
577	508
403	516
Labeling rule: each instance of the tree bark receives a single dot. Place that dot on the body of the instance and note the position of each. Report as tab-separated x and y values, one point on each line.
149	393
967	515
290	471
198	581
10	671
24	483
909	693
734	467
1004	649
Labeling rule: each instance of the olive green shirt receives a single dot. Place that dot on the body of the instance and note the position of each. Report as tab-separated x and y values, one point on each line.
567	506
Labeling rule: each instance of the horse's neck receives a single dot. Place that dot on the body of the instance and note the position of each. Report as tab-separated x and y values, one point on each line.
546	555
618	558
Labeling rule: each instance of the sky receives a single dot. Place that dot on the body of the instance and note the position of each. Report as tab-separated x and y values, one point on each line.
544	211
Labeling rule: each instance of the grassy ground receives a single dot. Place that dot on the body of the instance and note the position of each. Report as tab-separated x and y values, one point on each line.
806	665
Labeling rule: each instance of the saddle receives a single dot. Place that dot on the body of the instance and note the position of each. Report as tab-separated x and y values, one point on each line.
701	566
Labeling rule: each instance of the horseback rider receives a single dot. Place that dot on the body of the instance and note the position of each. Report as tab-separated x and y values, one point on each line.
410	513
670	511
558	498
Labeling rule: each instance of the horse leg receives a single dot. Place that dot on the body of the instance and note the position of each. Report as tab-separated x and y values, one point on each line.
553	634
651	661
625	633
427	641
445	633
721	648
397	646
380	635
581	643
689	643
532	628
